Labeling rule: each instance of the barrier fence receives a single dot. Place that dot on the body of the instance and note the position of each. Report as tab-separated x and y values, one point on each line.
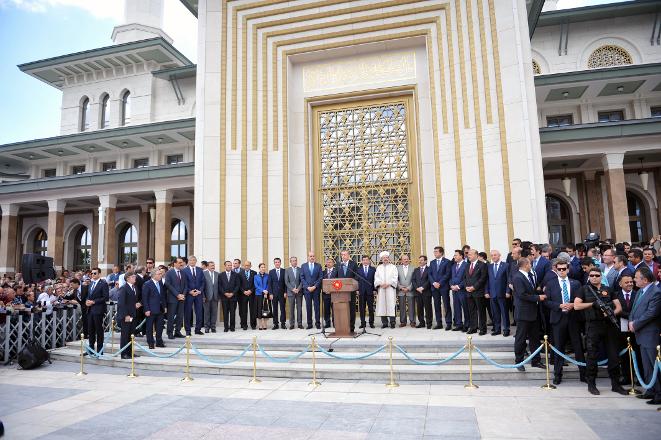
314	348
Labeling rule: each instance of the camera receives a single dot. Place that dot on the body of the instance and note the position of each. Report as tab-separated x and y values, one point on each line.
592	240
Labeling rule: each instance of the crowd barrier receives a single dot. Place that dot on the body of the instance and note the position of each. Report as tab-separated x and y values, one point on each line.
314	348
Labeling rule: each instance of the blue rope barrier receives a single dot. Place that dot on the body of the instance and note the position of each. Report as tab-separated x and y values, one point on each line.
162	356
283	360
496	364
642	383
101	353
213	361
582	364
351	358
439	362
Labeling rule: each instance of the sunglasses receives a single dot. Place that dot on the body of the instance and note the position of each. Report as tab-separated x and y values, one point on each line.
595	275
561	269
95	273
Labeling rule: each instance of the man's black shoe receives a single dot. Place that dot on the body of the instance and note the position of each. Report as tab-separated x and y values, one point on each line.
226	330
420	325
151	346
362	325
470	332
592	388
198	332
213	330
538	364
557	380
170	337
291	327
654	402
178	335
456	329
160	345
371	325
275	327
495	333
392	325
482	332
618	389
384	326
438	327
645	396
318	326
521	368
232	329
448	328
308	327
301	326
506	333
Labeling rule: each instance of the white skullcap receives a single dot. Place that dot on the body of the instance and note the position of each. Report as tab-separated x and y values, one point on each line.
384	254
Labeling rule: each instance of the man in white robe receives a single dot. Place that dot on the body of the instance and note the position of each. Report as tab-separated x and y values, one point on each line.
385	280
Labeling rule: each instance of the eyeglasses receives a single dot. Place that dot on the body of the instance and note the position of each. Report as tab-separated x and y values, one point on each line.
595	275
561	268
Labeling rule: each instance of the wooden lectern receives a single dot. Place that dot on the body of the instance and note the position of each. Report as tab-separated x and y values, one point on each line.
340	291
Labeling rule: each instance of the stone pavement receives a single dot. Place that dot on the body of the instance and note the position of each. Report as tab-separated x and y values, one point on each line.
53	403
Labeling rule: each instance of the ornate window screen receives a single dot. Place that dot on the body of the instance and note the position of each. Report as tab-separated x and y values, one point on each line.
364	180
607	56
536	70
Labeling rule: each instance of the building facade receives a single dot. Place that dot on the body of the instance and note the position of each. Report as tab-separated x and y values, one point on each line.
360	125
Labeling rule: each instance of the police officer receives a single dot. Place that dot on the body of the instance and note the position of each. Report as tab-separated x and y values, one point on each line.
599	329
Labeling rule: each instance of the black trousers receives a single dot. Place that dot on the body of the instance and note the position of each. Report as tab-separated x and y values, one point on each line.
245	303
175	317
597	332
83	321
139	317
425	309
229	311
565	330
365	299
154	323
95	328
477	310
125	335
328	309
279	305
352	311
526	331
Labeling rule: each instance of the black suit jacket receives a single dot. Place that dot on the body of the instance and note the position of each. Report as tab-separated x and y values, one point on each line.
278	287
352	270
99	295
246	283
626	308
126	302
478	279
419	279
625	272
553	290
366	283
326	276
525	298
139	281
233	285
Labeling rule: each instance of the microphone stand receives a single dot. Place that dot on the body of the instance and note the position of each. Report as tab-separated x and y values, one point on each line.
321	312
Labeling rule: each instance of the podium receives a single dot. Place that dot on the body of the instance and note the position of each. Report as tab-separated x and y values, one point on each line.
340	291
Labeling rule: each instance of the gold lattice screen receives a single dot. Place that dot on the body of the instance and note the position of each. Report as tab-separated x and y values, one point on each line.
364	179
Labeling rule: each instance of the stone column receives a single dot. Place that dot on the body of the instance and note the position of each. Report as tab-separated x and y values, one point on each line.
617	196
596	221
107	234
143	234
8	238
162	232
94	254
191	231
56	232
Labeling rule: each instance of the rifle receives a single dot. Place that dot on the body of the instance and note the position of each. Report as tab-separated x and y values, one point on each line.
604	308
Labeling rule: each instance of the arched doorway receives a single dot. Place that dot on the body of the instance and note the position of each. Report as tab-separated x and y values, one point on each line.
559	221
179	239
128	245
82	249
40	242
638	226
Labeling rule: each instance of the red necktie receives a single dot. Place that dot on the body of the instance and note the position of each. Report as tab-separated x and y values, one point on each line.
470	272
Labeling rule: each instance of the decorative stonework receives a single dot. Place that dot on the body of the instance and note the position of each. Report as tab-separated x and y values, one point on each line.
536	70
607	56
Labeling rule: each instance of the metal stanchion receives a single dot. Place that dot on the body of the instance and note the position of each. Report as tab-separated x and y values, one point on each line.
548	385
633	391
187	377
132	374
470	385
392	383
82	349
314	382
254	361
112	336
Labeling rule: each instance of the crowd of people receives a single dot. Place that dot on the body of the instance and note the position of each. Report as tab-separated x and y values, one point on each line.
588	298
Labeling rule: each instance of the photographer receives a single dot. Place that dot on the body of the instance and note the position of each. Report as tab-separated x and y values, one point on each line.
599	329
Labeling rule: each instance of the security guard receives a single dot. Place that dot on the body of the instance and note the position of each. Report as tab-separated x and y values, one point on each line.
598	328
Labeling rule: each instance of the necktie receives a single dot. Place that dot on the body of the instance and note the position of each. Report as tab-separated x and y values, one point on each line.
470	272
534	264
193	270
247	275
93	286
495	269
228	275
531	279
179	275
365	270
345	269
565	292
132	290
212	278
422	270
294	269
277	274
627	299
158	288
311	266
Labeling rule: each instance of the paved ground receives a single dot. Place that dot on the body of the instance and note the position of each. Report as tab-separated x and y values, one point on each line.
53	403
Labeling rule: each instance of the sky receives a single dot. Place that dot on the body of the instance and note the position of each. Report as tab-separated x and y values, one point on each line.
31	30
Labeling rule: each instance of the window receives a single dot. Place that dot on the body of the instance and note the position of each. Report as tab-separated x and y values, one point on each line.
50	172
656	112
179	239
125	111
637	218
173	159
82	249
559	222
108	166
78	169
607	56
611	116
141	163
128	245
105	113
84	114
40	244
559	121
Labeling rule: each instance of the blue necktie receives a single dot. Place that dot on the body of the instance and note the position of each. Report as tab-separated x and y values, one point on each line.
345	269
530	278
565	292
158	288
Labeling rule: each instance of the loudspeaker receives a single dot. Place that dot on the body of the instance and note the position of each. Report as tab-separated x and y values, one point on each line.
37	268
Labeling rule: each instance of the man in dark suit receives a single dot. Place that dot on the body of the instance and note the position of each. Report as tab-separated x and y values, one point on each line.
439	275
349	269
311	277
622	269
247	296
278	293
80	293
95	301
175	284
495	293
421	286
516	243
540	264
155	304
195	285
564	320
229	287
330	272
627	296
126	311
139	312
457	285
366	290
526	312
475	281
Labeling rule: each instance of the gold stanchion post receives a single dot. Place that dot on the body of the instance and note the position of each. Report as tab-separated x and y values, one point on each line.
470	385
314	382
187	377
132	374
548	385
82	353
633	391
254	361
112	336
392	383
